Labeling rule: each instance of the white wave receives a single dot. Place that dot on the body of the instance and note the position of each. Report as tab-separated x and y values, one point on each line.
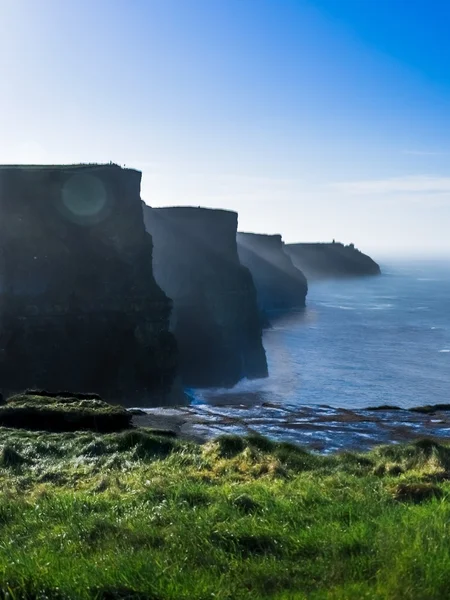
381	306
340	306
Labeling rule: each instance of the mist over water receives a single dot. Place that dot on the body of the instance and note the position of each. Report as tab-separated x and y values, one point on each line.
360	342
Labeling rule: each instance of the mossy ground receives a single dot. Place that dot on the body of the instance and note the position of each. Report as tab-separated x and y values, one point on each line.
134	515
62	411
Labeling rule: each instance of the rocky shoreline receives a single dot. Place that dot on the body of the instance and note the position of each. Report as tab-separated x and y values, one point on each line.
319	428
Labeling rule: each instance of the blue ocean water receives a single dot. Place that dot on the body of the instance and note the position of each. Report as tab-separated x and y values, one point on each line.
362	342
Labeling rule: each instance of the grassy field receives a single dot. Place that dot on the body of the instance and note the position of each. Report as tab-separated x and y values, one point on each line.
133	515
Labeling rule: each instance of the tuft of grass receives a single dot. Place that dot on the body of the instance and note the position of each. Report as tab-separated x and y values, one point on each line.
10	457
230	445
121	593
246	504
416	492
145	444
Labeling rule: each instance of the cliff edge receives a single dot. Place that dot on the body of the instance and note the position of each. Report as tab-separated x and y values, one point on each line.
215	320
279	284
325	260
79	306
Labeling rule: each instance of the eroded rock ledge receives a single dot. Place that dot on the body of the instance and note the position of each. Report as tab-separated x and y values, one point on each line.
321	428
215	321
79	306
325	260
280	285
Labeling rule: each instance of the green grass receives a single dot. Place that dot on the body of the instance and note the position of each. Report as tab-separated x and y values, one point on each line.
62	411
135	515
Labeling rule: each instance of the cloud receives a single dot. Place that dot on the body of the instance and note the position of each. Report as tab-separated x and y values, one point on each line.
415	184
424	153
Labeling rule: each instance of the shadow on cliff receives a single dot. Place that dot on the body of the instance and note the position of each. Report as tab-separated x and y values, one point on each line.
215	318
280	286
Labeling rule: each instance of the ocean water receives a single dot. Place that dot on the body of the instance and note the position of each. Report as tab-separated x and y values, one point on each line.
360	343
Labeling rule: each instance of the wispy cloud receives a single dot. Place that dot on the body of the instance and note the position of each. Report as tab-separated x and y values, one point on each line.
416	184
424	153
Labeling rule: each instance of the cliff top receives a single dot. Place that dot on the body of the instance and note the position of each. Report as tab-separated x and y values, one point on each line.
324	245
261	241
262	236
192	211
68	167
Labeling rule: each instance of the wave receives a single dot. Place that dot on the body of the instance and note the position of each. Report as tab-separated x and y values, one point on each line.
339	306
381	306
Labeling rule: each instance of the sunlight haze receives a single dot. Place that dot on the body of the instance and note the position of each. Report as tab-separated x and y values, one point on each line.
316	119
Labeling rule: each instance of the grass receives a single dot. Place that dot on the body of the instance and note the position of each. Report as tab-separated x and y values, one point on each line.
136	515
62	411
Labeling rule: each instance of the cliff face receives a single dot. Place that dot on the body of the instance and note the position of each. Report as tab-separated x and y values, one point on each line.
331	260
280	285
215	321
79	306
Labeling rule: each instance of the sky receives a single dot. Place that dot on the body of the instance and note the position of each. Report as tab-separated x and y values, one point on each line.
316	119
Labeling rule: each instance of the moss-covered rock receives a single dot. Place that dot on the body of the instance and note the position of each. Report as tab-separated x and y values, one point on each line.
50	412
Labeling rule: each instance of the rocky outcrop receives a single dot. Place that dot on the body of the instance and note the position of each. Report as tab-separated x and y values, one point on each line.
280	285
215	320
325	260
79	306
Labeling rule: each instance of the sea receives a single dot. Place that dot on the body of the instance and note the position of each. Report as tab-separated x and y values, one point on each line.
360	342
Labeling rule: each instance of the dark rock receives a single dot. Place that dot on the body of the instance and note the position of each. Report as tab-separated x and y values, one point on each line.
431	408
136	411
50	413
279	284
215	321
328	260
79	306
384	407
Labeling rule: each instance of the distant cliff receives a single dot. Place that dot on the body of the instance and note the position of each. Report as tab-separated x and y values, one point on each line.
79	306
216	321
280	285
324	260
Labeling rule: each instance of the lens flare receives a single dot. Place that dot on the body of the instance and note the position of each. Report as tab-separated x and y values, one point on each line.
84	198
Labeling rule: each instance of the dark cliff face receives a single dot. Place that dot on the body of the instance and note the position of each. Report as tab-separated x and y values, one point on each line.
280	285
215	321
79	306
325	260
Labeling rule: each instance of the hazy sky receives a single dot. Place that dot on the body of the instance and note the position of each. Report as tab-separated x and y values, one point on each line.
317	119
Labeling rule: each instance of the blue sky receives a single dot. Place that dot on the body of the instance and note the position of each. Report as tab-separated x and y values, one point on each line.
317	119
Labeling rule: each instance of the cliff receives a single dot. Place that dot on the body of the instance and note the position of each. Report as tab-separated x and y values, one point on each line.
323	260
79	306
279	284
215	321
